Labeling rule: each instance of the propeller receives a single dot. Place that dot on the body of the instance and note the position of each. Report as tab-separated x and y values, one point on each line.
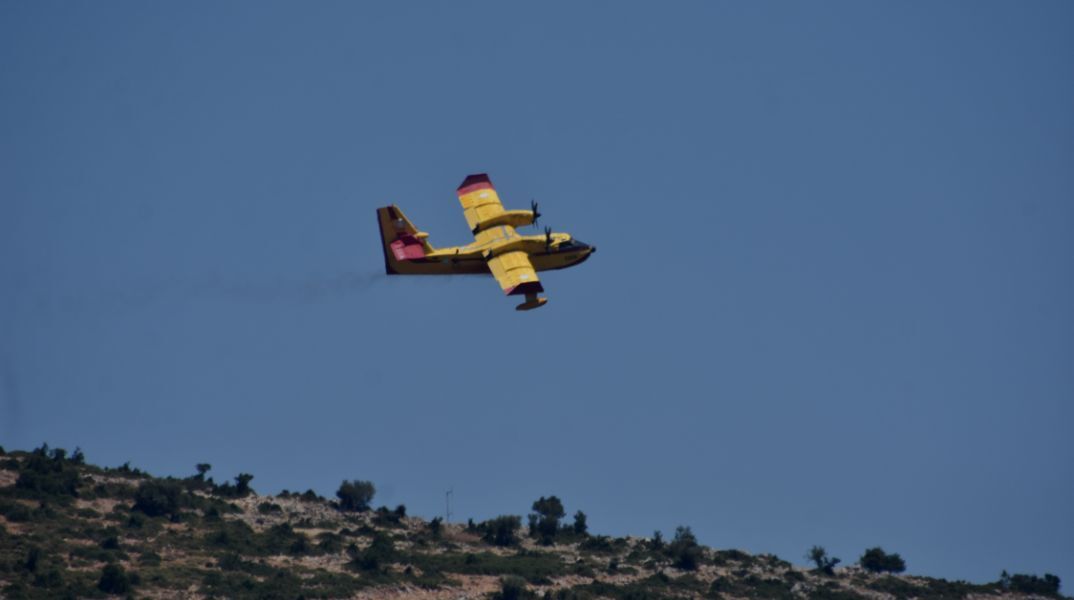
533	209
547	238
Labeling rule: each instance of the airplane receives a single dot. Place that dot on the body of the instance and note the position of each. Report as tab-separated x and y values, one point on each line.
513	259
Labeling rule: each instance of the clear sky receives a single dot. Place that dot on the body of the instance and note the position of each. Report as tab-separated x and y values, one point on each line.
831	305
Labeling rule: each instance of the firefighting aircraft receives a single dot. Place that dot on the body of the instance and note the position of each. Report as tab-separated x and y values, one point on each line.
512	259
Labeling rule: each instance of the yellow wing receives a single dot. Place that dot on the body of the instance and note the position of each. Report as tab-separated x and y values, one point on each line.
479	199
515	274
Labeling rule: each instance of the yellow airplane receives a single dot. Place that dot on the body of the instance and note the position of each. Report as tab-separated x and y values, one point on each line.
512	259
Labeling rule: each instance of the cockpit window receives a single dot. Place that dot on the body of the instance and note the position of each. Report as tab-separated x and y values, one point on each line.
570	245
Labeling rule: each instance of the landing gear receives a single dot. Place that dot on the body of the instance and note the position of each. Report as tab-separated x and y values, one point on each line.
532	302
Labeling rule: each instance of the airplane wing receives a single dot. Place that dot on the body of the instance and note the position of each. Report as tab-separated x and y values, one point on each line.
515	274
479	199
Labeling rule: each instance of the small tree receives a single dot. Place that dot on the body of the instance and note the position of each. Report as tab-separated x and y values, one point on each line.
657	541
549	511
242	484
825	564
877	561
202	468
1031	584
501	530
512	587
355	495
157	498
684	550
114	580
380	552
580	526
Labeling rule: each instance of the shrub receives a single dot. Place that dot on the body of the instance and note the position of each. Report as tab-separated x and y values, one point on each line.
329	543
157	498
48	473
684	550
386	517
380	552
597	543
114	580
657	541
33	558
267	508
512	588
1031	584
355	495
16	512
242	484
202	468
435	525
501	530
825	564
580	526
876	560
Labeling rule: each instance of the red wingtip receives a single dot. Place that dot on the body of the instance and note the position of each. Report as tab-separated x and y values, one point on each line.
473	182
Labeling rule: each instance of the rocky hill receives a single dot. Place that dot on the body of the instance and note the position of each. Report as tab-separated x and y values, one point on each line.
70	529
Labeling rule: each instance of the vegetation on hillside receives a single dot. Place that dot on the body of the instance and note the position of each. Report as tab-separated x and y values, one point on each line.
72	529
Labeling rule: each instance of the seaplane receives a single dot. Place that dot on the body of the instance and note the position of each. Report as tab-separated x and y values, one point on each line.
498	248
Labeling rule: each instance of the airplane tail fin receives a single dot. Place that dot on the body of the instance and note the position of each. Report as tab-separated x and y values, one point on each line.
400	240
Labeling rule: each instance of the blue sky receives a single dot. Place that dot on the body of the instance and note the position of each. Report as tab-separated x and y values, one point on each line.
831	303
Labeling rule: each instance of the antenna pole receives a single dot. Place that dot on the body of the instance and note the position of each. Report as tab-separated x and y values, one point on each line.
447	501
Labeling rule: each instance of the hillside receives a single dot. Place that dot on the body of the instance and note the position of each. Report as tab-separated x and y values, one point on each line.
71	529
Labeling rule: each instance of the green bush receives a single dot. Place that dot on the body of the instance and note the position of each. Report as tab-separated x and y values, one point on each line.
752	586
355	495
684	551
379	553
656	543
512	588
501	530
329	543
242	484
16	512
535	567
157	498
241	489
32	560
597	543
824	563
269	508
114	580
875	560
1031	584
47	472
580	526
435	525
